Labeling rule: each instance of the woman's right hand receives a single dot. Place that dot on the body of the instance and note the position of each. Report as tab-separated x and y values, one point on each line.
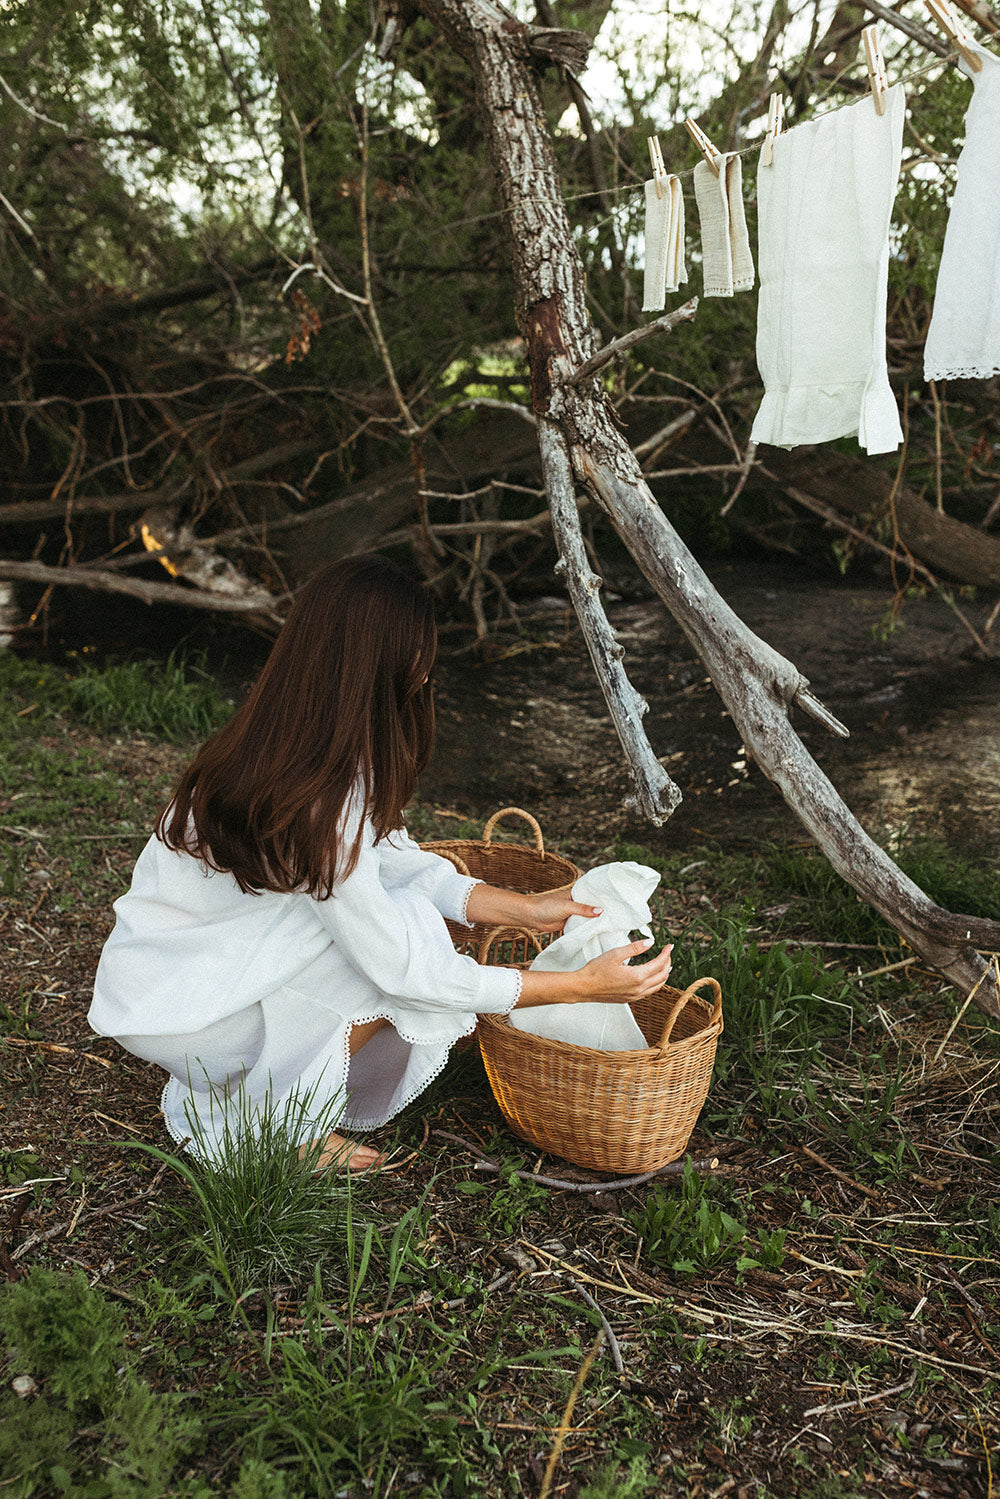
607	979
612	980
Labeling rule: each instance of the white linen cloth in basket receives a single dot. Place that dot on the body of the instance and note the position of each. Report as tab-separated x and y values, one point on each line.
963	341
823	259
231	991
622	890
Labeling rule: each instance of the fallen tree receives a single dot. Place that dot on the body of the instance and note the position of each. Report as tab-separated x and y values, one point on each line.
581	443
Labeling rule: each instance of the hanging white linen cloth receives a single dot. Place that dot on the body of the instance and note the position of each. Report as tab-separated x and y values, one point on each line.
622	890
823	256
664	268
727	264
963	342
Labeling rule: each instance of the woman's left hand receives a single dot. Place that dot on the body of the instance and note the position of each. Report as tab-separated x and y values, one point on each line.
547	910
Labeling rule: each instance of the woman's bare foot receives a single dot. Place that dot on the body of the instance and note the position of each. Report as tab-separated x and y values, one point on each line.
340	1153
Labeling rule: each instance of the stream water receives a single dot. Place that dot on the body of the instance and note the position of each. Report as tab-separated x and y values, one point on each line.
924	716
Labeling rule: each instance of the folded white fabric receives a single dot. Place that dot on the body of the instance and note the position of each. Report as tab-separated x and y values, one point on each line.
964	337
823	256
727	263
622	890
664	267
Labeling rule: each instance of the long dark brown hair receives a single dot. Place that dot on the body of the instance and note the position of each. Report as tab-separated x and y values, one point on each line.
342	703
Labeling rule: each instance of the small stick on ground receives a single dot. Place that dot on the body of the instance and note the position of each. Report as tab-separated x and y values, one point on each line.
841	1175
562	1430
616	1353
487	1163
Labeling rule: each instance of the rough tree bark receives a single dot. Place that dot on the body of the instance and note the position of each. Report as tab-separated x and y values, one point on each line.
579	437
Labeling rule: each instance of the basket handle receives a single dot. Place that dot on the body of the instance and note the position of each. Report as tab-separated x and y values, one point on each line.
456	859
509	933
516	811
682	1000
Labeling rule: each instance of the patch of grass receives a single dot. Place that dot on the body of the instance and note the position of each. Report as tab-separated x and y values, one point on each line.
837	913
778	1003
176	699
61	1331
257	1213
71	1341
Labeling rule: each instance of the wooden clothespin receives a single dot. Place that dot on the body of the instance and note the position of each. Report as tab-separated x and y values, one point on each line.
701	140
659	170
775	125
955	31
875	63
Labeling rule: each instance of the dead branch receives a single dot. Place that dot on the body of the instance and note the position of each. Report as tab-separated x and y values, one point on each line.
909	28
654	794
29	512
101	581
619	346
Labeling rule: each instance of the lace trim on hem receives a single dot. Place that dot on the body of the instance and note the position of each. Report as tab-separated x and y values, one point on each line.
963	372
183	1141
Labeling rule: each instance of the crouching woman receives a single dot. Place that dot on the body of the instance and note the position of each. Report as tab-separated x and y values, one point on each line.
283	937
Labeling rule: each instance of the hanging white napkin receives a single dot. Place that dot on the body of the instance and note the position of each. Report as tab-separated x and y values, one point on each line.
824	208
727	263
664	249
963	342
622	890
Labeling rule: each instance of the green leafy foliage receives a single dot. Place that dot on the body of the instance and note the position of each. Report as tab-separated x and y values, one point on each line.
61	1331
684	1229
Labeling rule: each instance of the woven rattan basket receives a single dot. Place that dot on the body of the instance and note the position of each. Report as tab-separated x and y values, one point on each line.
620	1111
511	866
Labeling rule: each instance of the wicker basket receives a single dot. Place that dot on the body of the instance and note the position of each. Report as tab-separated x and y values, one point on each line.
619	1111
511	866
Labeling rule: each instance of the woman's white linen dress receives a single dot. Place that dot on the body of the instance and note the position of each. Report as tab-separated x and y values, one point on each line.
258	992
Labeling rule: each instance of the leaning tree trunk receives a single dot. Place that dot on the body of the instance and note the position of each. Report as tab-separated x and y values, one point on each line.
581	441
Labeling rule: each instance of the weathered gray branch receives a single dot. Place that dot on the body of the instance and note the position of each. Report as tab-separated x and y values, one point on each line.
629	340
150	593
654	794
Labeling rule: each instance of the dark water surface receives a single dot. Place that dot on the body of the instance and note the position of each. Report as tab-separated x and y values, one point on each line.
924	715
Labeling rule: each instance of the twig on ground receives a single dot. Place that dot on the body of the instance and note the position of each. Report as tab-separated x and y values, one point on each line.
487	1163
70	1051
616	1353
841	1175
115	1207
563	1429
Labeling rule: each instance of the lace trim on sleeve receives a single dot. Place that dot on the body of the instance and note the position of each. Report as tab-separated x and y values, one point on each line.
465	902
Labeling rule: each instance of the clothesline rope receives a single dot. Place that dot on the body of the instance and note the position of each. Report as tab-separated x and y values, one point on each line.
636	188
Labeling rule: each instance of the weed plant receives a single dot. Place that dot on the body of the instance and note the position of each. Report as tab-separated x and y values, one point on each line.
684	1229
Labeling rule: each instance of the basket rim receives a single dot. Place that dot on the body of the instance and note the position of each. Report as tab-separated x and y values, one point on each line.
496	843
657	1053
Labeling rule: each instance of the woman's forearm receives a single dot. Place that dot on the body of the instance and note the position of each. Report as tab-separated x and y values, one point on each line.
541	988
490	906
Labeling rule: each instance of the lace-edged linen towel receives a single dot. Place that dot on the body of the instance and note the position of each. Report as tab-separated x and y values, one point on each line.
664	267
824	209
963	342
727	263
